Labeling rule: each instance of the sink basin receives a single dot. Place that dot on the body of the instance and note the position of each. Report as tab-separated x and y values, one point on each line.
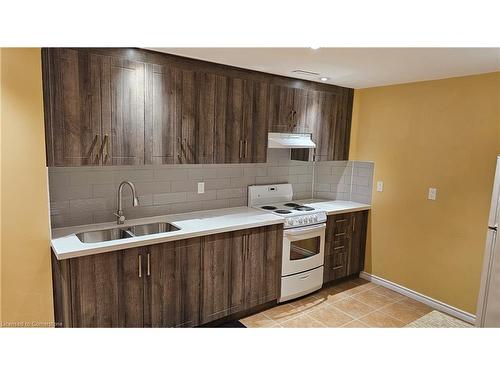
152	228
104	235
125	232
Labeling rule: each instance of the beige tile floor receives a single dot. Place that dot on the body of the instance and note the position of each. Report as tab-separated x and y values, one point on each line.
355	303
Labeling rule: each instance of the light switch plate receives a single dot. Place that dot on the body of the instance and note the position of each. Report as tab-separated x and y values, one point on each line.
432	194
201	187
380	186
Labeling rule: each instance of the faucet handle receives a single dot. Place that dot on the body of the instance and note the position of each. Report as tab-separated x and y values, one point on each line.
121	218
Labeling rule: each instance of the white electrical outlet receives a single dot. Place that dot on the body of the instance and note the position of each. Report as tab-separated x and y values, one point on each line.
432	194
380	186
201	187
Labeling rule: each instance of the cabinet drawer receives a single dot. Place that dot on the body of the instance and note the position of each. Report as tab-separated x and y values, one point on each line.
301	284
336	265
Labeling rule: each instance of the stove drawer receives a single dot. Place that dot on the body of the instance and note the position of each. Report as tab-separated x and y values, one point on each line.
301	284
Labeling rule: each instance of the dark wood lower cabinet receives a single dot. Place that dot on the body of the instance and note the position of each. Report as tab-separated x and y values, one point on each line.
172	284
240	270
99	290
175	284
345	245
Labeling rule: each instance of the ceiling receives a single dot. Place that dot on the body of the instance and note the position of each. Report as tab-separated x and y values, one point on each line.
355	67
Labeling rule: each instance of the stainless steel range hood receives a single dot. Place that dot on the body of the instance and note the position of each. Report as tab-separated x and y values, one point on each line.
288	140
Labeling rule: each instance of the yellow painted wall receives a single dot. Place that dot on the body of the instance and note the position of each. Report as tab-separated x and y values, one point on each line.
26	288
444	134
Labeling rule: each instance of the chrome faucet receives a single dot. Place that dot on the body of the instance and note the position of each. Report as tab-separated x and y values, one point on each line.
135	201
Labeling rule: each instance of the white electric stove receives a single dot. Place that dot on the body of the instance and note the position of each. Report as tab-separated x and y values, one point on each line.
303	238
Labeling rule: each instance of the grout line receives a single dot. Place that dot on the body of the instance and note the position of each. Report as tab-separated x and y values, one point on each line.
331	304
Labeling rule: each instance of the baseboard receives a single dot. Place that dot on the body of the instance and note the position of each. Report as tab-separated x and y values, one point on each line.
431	302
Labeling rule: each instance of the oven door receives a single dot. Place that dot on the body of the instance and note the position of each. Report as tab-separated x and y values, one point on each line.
303	249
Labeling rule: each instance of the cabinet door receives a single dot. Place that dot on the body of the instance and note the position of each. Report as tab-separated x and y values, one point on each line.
356	261
216	280
123	112
161	116
342	132
173	284
205	85
72	101
254	126
272	262
262	264
222	147
234	120
281	105
324	127
254	269
106	290
299	123
186	128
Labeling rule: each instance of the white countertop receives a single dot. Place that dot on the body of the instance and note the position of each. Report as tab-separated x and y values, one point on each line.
65	244
335	207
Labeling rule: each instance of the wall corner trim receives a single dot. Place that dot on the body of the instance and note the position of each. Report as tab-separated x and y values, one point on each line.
431	302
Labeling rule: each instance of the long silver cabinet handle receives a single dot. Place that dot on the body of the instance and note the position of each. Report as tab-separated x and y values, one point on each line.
140	265
149	265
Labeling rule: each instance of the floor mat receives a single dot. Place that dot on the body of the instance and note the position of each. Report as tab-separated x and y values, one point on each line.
436	319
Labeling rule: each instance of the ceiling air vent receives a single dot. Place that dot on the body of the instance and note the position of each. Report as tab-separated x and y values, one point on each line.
305	73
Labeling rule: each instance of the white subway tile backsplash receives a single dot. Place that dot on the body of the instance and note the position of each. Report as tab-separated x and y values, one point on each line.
231	193
277	171
206	196
180	186
87	195
170	174
255	171
219	183
229	172
202	174
242	181
167	198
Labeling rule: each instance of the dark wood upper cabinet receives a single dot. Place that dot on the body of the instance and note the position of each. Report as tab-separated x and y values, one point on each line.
131	107
254	126
72	102
240	120
205	120
287	109
122	96
160	115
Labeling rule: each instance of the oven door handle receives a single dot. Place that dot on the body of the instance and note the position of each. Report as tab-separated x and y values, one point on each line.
306	230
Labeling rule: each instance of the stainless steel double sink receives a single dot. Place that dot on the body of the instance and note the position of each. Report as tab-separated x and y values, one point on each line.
125	232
